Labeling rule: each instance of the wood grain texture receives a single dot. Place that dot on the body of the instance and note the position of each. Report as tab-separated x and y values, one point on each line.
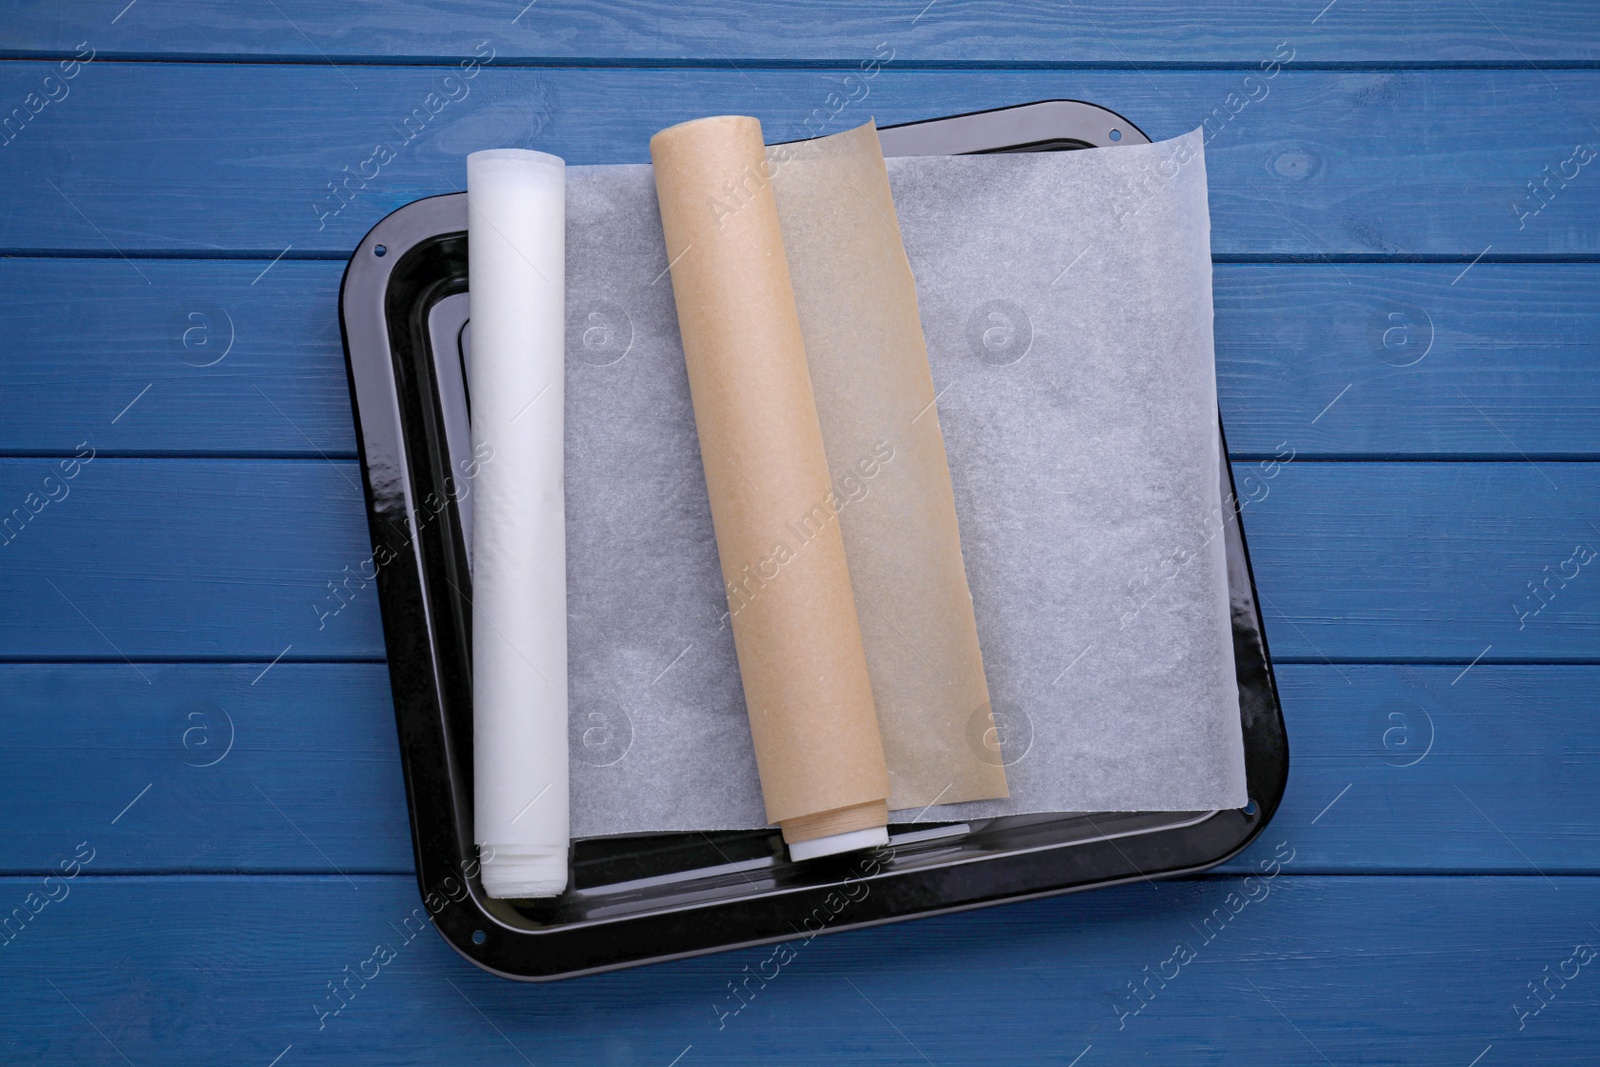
1393	360
1379	141
228	560
234	360
196	158
1009	32
1394	769
293	768
1407	769
190	558
1312	971
238	362
1417	562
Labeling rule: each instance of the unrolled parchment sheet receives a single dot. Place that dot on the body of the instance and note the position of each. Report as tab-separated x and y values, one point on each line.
793	616
516	230
1066	303
857	305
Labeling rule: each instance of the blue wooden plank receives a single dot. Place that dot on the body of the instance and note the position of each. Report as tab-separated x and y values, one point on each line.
221	357
1399	769
1394	769
239	363
194	558
1385	562
1415	562
1292	971
220	767
186	157
1391	361
1018	31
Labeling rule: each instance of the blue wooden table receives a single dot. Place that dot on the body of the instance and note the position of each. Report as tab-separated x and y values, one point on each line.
204	826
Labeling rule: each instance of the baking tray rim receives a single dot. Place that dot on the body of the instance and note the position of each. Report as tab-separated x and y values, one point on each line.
399	234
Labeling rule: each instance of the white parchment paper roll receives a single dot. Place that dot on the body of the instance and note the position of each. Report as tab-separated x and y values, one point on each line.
516	258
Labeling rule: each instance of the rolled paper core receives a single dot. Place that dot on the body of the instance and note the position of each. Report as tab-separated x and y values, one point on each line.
793	614
517	875
516	262
834	844
838	821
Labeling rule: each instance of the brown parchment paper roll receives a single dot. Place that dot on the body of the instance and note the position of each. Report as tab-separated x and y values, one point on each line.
792	610
857	302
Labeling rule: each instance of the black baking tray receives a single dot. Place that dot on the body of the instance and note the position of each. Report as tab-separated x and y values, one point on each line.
634	900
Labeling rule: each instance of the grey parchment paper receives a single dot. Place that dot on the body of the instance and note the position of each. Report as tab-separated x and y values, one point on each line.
1066	305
